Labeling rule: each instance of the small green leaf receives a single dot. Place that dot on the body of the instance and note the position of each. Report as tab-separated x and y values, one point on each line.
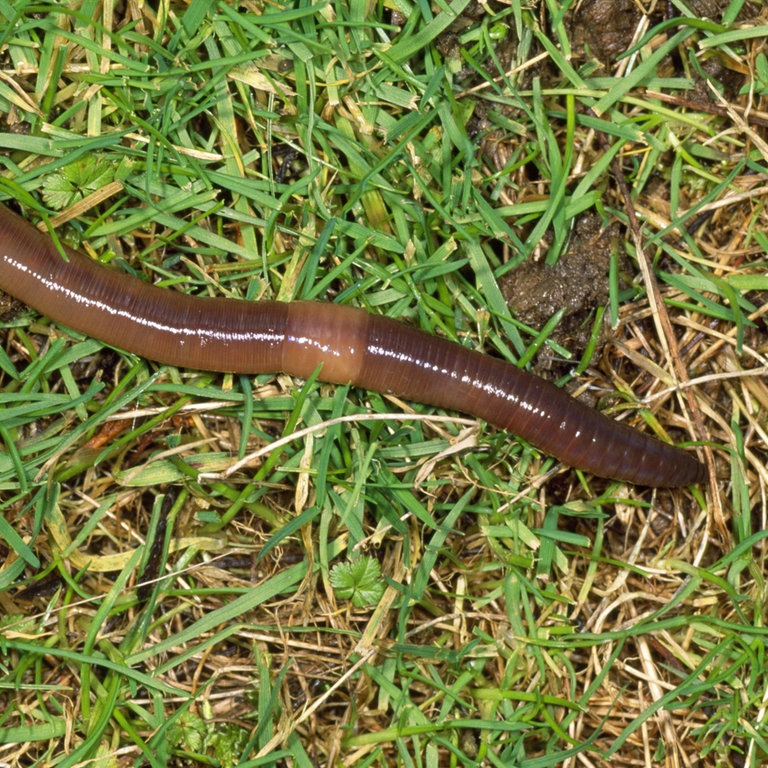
228	742
359	581
75	181
498	31
188	732
759	82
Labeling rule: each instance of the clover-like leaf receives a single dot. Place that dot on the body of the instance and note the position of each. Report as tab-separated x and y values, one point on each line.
76	180
358	580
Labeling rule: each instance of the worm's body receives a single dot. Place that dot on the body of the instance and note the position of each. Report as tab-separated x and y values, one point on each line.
351	345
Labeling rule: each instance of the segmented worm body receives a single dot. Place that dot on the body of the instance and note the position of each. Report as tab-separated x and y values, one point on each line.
348	345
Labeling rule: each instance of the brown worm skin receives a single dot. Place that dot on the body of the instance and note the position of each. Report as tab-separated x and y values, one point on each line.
348	345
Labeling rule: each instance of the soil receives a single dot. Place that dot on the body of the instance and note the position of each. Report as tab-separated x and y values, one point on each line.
578	283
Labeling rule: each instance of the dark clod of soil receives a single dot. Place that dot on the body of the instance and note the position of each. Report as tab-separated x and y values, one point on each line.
578	282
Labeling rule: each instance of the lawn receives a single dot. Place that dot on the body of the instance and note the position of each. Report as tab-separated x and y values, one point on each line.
208	569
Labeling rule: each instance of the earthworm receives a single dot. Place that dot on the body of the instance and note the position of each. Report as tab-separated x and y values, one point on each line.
346	344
